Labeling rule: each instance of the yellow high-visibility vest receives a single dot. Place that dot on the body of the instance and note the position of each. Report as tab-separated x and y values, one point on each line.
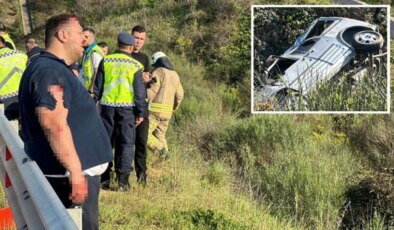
119	71
12	65
88	66
7	38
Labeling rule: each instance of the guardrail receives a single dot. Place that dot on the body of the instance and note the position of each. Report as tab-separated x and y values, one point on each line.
33	202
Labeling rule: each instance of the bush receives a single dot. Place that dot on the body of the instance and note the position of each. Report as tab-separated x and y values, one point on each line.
207	219
369	202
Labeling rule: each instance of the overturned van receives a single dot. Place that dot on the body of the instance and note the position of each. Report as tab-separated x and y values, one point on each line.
327	46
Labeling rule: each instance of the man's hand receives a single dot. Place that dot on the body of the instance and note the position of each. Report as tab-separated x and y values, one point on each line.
79	188
139	120
145	77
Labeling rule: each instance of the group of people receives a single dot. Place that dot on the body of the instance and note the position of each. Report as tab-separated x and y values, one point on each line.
76	102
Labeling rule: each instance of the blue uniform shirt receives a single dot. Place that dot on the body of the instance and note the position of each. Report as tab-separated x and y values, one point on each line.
90	138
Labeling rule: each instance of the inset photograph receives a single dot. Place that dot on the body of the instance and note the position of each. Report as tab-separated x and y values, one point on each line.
319	59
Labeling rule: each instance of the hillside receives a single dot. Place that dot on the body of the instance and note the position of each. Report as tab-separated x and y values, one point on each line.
232	170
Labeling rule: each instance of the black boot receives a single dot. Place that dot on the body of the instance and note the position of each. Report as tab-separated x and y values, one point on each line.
164	154
106	179
123	182
141	179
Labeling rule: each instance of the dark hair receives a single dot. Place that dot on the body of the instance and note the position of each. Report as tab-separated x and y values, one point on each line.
2	40
139	29
53	24
102	44
91	30
31	39
122	46
2	26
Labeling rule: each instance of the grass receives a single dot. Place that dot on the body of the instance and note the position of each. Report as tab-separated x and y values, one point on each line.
286	165
367	94
184	197
3	200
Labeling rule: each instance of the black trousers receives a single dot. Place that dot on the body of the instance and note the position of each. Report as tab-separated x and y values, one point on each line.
141	139
11	110
90	211
120	125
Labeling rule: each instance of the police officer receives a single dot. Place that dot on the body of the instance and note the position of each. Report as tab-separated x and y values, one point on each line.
12	65
121	92
8	41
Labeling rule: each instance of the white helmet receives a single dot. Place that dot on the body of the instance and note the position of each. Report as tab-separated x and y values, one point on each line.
156	57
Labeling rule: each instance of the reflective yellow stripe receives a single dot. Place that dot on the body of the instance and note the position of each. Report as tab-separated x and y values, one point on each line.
161	108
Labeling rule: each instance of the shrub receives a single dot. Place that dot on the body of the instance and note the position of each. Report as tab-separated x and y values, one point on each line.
369	202
207	219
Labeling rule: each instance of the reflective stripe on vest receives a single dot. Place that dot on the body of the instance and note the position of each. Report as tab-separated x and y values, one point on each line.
119	71
7	38
160	108
88	66
12	65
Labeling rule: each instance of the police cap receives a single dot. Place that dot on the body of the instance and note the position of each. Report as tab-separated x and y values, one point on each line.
126	39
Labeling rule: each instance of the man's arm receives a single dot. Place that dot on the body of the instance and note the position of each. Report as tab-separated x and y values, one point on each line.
178	97
55	126
99	82
154	88
139	97
96	60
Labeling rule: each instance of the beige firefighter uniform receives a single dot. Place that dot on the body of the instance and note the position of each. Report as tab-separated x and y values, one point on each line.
164	97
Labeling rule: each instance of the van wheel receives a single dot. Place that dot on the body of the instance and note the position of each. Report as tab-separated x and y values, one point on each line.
368	41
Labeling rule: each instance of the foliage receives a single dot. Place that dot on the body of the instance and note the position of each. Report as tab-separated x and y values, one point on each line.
369	202
285	164
374	135
367	94
208	219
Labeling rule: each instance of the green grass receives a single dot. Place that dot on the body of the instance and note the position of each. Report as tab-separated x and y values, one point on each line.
286	164
230	170
3	200
367	94
184	198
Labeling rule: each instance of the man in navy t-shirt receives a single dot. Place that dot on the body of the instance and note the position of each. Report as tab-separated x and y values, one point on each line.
62	130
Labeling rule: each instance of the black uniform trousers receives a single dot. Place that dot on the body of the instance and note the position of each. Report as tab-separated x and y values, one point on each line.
141	140
120	125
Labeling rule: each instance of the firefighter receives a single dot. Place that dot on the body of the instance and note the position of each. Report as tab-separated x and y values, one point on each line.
12	65
165	96
121	92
